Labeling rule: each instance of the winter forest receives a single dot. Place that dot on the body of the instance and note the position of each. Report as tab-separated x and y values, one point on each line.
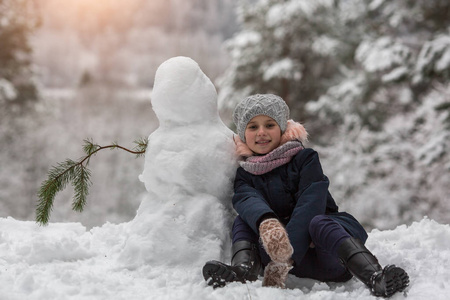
368	79
83	69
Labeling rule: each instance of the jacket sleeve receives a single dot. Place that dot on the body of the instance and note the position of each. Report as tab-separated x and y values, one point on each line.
311	200
248	202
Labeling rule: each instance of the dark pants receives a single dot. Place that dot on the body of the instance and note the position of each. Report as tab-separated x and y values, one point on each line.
321	262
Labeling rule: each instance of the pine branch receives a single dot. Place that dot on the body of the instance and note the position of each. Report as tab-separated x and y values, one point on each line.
78	174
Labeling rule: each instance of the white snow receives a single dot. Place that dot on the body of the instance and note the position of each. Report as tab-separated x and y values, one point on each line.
381	54
325	45
7	90
280	69
395	74
434	55
242	41
279	13
189	166
64	261
183	221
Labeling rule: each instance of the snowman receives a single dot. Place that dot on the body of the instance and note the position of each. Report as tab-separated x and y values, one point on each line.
184	219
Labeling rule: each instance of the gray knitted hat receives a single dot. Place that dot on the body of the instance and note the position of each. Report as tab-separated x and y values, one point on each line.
260	104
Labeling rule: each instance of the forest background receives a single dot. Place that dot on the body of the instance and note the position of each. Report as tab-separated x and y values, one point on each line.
369	80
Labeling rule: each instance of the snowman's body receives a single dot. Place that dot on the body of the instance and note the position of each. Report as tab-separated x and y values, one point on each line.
188	172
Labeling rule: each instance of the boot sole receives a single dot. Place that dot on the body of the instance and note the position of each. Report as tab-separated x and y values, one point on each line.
396	279
218	274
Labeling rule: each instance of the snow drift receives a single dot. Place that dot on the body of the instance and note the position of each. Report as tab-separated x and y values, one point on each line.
64	261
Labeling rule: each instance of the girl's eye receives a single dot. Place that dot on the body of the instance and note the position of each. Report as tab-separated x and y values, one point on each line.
252	127
270	125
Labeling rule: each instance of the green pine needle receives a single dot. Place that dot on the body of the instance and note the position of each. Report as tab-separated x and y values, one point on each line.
81	184
89	147
58	177
78	174
141	146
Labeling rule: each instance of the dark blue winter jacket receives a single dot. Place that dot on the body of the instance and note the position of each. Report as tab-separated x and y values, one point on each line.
294	193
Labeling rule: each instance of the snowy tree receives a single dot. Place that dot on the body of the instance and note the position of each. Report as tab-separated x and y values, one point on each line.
17	22
292	48
370	78
390	112
18	95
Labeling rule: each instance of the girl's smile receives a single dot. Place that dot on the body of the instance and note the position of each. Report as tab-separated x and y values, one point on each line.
262	134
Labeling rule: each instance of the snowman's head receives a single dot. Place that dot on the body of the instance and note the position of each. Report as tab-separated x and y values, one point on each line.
183	94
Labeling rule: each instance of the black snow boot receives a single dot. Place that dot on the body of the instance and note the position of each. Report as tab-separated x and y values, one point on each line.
245	266
364	265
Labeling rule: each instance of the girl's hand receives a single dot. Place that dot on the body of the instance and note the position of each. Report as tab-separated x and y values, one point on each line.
275	240
276	243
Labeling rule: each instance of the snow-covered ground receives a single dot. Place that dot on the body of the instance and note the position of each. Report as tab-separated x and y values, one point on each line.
64	261
183	221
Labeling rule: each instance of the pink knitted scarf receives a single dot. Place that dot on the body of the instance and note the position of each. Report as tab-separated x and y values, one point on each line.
258	165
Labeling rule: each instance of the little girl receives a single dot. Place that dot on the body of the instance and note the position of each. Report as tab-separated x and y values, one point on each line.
288	221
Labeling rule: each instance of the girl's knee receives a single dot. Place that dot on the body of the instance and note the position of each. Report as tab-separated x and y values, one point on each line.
317	223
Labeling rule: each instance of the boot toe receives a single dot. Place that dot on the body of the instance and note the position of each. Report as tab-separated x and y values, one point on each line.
392	279
218	274
397	280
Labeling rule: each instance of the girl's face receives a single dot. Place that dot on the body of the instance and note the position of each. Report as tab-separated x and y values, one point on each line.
262	134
